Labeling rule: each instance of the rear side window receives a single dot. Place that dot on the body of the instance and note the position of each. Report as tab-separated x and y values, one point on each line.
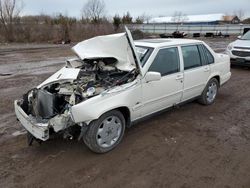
210	57
191	57
202	55
166	61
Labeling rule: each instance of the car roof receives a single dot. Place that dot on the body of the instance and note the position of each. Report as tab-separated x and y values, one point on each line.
161	42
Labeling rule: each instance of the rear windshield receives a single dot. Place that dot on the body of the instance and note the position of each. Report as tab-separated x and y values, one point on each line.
143	53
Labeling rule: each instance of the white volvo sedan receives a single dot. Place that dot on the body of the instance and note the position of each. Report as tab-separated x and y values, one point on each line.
114	82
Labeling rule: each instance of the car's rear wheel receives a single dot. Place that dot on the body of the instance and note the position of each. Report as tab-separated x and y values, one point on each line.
105	133
210	92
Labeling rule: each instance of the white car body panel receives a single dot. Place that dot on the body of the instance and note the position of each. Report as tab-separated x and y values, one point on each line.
108	46
156	96
192	86
118	97
63	74
220	68
132	46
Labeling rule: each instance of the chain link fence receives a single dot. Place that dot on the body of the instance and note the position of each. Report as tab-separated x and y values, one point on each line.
229	29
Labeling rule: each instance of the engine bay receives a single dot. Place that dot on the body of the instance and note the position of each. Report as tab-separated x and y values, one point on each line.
52	102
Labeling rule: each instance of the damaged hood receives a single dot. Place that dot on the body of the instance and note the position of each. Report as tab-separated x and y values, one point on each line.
119	46
63	74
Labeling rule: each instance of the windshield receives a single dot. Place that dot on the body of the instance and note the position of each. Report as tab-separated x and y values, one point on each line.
143	53
246	36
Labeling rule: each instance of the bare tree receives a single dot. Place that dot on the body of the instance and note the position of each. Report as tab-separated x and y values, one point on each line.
94	10
9	12
65	22
179	18
144	18
240	14
127	18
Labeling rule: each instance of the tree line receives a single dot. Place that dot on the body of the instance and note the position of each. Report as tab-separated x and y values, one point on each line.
62	28
59	27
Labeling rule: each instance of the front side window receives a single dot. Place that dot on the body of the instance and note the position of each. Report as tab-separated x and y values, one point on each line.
191	57
166	61
143	53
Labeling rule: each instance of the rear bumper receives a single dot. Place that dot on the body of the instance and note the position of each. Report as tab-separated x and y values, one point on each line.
225	78
38	130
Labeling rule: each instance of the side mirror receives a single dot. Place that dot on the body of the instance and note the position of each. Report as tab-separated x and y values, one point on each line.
152	76
239	37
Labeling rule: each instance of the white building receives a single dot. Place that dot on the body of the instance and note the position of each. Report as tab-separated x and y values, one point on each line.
209	19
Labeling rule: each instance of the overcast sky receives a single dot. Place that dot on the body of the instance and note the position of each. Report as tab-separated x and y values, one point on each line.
138	7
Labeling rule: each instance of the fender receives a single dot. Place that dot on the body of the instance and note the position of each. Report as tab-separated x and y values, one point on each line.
214	74
93	108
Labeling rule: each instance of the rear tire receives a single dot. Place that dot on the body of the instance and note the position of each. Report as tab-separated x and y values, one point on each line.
105	133
210	92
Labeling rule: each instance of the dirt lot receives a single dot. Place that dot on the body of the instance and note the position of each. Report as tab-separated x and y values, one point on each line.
192	146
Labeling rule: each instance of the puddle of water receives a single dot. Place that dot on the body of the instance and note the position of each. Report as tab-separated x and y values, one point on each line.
5	74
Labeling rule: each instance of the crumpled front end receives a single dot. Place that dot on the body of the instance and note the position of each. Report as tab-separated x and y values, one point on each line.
47	109
42	113
37	129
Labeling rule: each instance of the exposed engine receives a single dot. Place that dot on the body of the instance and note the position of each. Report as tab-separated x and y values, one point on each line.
52	102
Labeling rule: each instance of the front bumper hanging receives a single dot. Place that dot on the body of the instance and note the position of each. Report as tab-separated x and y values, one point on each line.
38	130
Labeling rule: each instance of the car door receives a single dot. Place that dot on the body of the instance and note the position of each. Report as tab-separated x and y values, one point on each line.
196	71
167	91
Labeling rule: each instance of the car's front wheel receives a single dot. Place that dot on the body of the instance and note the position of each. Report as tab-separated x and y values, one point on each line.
210	92
105	133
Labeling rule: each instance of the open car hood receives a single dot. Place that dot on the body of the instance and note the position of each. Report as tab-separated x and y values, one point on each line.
119	46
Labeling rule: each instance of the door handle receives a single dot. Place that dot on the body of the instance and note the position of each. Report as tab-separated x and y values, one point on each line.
179	77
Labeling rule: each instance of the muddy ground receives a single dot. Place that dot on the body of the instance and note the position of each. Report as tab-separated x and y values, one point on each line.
192	146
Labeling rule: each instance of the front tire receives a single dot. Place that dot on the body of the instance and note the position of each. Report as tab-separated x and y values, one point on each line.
210	92
105	133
